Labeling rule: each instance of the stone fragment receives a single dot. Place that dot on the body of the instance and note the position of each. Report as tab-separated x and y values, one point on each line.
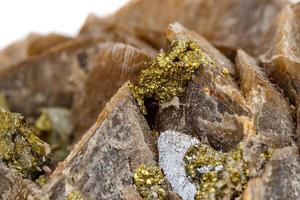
114	65
14	187
271	113
212	108
172	147
280	179
102	163
19	147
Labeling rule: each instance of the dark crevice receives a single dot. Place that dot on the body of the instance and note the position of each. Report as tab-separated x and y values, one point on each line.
152	108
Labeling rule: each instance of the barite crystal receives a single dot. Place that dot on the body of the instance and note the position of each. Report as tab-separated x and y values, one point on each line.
172	147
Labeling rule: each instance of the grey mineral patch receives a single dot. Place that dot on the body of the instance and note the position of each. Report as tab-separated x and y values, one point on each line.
172	147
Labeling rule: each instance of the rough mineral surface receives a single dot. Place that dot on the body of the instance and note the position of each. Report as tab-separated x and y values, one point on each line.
52	78
13	186
271	113
149	182
215	20
281	59
172	147
19	147
166	78
113	148
212	106
114	64
222	89
220	175
280	179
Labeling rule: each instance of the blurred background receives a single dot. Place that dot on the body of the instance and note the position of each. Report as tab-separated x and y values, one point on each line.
18	18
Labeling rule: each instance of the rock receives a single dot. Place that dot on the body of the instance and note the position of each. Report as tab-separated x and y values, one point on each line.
192	123
271	113
20	148
101	164
281	58
13	186
212	107
172	147
280	179
115	64
62	70
214	20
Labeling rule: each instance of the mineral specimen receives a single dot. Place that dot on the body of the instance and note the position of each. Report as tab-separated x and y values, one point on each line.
102	164
270	110
149	181
222	22
220	175
169	73
280	179
172	147
19	147
221	92
281	57
115	64
12	186
212	107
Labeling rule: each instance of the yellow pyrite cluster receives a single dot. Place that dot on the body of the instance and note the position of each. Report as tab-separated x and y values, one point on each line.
219	175
169	72
20	148
149	182
74	195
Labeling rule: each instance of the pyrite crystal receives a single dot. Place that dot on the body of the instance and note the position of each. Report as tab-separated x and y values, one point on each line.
20	148
149	181
219	175
169	72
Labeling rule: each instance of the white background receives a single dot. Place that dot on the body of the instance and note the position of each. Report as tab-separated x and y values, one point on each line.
20	17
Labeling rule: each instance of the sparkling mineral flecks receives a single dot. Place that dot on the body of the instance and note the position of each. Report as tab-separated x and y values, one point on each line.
149	182
219	175
20	148
169	72
74	195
